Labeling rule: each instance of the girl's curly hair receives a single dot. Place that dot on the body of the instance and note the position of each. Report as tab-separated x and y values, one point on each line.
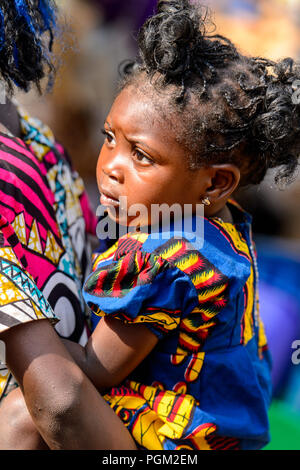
233	108
24	54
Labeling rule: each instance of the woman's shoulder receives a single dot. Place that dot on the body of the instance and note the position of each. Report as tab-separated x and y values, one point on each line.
19	165
28	149
39	137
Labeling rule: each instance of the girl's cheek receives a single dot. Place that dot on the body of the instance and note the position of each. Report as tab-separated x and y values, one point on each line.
99	165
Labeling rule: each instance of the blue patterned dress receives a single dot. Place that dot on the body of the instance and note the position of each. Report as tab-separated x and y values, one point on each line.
206	384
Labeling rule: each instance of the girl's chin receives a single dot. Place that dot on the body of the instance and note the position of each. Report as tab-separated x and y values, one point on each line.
125	221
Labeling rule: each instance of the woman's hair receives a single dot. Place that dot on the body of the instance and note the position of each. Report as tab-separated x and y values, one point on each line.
24	52
233	108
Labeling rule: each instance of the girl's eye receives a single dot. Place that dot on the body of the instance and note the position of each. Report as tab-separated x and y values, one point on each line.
142	158
108	136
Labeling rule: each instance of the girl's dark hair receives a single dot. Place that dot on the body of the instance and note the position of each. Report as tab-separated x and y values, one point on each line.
245	110
24	52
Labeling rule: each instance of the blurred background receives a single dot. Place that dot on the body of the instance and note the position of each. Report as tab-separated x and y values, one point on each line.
96	36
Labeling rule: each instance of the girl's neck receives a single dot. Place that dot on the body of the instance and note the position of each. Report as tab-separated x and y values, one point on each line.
224	214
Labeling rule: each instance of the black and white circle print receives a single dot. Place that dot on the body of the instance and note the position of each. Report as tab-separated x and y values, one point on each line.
81	246
63	296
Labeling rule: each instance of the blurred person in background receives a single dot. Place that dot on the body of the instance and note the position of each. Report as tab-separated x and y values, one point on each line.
276	225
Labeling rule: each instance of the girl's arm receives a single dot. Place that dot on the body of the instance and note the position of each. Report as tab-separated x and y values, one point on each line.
113	351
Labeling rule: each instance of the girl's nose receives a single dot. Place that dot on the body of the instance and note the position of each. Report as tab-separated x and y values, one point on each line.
113	170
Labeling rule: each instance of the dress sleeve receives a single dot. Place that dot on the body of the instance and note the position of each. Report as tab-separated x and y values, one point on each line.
20	299
140	287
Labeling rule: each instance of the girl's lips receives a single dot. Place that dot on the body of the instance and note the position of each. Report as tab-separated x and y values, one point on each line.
107	200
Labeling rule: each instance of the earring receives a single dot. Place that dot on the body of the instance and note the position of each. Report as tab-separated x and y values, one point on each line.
206	201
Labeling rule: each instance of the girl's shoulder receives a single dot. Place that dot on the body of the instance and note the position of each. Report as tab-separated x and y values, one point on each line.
198	232
138	285
160	277
205	247
225	239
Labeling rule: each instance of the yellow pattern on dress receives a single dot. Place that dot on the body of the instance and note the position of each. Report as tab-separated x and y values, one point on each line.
4	376
206	312
39	149
138	236
157	420
8	254
34	242
20	228
187	263
262	339
161	318
207	294
9	292
238	240
11	297
252	306
171	250
187	323
201	278
248	314
105	255
195	366
52	249
179	356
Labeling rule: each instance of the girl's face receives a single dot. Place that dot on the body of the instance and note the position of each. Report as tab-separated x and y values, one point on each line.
141	160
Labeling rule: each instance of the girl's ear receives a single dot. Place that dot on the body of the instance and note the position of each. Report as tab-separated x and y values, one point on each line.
224	180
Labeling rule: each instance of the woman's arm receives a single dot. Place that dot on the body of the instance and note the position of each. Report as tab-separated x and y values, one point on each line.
50	380
66	408
113	351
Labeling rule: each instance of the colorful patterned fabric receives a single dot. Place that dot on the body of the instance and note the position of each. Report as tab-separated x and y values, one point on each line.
206	385
44	220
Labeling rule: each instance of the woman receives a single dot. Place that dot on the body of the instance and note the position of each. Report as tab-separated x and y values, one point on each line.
43	203
44	220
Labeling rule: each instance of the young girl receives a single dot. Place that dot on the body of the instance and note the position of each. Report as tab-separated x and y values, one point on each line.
180	354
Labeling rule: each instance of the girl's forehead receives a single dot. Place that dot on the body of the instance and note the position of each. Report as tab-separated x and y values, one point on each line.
145	105
139	118
129	107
